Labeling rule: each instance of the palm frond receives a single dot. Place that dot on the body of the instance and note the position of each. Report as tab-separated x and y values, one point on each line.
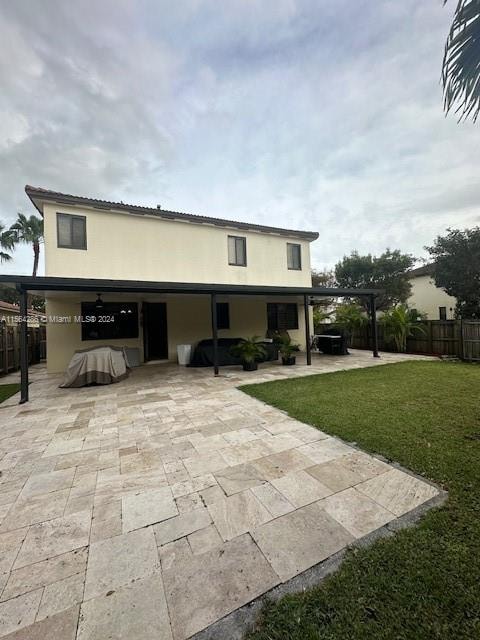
461	61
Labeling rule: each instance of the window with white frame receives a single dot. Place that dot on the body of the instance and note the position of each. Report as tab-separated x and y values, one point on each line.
237	251
294	256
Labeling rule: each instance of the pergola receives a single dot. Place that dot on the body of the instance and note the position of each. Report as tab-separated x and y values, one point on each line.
44	285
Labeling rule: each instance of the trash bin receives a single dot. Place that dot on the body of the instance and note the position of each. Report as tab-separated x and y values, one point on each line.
184	352
132	356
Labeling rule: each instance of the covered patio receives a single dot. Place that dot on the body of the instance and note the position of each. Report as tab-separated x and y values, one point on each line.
161	506
304	297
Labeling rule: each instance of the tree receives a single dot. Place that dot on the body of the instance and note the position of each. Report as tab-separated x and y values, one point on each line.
398	325
29	231
350	316
457	268
388	272
7	242
322	309
461	61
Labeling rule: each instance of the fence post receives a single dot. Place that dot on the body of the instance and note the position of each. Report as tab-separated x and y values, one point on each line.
5	346
462	346
430	336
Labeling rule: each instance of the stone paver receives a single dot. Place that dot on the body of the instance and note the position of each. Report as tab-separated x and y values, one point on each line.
117	561
147	507
172	487
237	573
300	488
238	514
133	612
300	539
61	626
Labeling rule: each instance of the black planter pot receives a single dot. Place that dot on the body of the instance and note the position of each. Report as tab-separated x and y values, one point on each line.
288	361
250	366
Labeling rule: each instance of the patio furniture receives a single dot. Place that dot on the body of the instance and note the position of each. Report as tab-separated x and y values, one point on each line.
102	365
203	353
332	342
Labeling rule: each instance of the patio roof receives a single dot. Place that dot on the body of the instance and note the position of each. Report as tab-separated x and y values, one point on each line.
44	284
51	283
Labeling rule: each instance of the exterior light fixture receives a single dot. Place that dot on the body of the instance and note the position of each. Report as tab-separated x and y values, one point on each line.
99	302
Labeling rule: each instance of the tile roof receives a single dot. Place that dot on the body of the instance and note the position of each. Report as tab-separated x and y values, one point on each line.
38	195
425	270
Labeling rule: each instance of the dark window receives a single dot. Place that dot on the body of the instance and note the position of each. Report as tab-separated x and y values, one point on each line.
442	312
237	251
223	315
113	320
71	231
282	316
294	256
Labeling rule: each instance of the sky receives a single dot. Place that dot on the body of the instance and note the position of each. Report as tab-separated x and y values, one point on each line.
323	115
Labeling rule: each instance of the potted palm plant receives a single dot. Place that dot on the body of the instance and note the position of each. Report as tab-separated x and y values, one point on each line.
287	348
249	350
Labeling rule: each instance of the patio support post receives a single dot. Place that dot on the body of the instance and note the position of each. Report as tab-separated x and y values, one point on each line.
23	347
373	314
307	329
213	300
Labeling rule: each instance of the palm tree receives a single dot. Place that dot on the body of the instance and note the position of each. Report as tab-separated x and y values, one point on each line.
398	326
7	242
29	231
461	62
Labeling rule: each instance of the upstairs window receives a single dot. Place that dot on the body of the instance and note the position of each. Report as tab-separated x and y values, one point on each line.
71	231
282	316
294	256
237	251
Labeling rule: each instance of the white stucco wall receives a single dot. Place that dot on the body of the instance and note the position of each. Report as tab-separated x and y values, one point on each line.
131	247
427	298
188	321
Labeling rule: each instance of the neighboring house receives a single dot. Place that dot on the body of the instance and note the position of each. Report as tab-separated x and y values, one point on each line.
427	298
91	239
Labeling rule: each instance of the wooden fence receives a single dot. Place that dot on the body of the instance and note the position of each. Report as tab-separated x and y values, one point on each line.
460	338
10	347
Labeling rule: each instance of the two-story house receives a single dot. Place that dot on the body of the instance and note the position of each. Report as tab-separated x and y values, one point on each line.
151	279
86	238
429	299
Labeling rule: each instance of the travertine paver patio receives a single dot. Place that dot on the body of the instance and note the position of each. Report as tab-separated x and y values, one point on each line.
152	508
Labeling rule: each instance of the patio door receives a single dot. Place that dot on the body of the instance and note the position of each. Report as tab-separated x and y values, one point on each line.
155	340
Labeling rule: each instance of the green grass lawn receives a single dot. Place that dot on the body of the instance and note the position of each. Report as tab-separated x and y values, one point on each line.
8	390
424	582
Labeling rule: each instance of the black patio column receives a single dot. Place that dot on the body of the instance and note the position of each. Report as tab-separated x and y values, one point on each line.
23	347
214	332
307	329
373	319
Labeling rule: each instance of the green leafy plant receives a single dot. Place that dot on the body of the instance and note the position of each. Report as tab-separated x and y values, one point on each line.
249	350
461	62
28	231
398	326
350	316
7	241
286	347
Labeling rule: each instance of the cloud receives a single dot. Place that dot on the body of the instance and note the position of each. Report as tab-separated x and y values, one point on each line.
284	112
